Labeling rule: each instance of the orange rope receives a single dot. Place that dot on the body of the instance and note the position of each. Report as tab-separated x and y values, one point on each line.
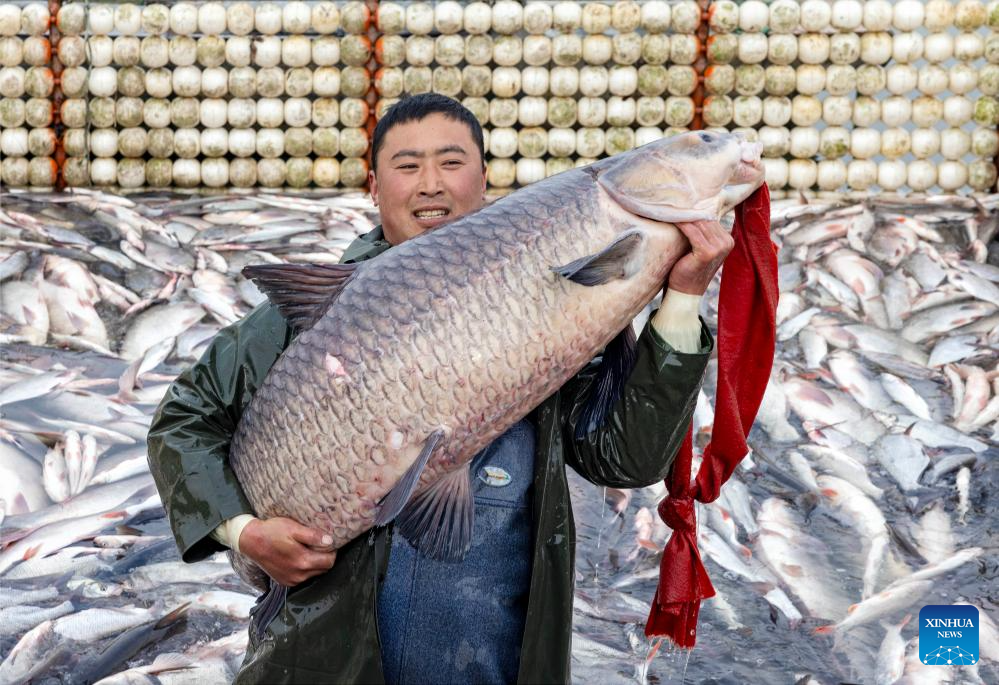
374	33
701	64
59	154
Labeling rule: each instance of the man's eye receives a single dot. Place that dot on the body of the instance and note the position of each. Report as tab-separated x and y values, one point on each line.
406	166
453	162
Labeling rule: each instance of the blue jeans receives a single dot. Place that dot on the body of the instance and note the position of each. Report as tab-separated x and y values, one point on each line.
464	622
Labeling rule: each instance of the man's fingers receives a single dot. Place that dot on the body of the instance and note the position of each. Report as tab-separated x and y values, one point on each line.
712	233
708	240
298	565
319	561
699	233
310	536
690	229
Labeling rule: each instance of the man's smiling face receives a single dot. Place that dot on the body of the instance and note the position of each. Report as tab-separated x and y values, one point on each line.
429	173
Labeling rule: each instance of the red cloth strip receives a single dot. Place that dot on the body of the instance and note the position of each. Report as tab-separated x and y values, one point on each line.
747	328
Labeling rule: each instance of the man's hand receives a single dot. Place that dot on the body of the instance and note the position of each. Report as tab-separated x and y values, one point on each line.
709	246
289	552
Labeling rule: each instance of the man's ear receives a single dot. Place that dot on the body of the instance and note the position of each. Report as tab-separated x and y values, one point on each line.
485	180
373	187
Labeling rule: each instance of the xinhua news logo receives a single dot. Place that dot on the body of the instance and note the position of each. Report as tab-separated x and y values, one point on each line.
948	635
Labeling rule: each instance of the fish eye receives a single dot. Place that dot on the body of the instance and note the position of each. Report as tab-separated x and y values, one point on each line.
706	137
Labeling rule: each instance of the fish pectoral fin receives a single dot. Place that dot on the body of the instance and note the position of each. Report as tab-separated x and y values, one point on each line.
178	614
399	495
616	366
793	570
619	260
301	292
438	521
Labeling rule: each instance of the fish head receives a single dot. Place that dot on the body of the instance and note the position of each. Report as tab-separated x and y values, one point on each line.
692	176
94	589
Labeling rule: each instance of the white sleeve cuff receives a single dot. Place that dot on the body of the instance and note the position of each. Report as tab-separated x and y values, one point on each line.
228	531
677	321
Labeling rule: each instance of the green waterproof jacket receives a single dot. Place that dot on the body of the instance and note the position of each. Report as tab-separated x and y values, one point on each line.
327	630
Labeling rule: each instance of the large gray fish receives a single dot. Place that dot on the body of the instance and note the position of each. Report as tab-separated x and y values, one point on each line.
408	365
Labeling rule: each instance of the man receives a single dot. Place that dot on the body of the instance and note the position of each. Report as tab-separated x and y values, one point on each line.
376	610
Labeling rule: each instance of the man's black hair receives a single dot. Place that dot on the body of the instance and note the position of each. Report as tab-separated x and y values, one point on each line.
417	107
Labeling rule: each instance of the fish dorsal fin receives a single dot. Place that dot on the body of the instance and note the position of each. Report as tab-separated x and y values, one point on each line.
397	497
301	292
619	260
438	521
615	367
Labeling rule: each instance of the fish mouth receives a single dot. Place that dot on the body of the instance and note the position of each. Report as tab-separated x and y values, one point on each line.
748	176
750	166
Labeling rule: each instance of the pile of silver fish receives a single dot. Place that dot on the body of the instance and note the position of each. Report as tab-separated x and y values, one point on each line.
868	494
104	299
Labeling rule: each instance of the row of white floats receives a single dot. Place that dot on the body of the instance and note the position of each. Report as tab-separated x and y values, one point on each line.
419	18
844	49
503	17
502	82
187	173
533	142
830	143
802	111
826	175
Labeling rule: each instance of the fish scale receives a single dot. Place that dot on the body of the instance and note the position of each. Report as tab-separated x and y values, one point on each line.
475	271
483	330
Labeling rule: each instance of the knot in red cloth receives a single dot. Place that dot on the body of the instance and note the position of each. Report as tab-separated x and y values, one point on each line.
678	513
